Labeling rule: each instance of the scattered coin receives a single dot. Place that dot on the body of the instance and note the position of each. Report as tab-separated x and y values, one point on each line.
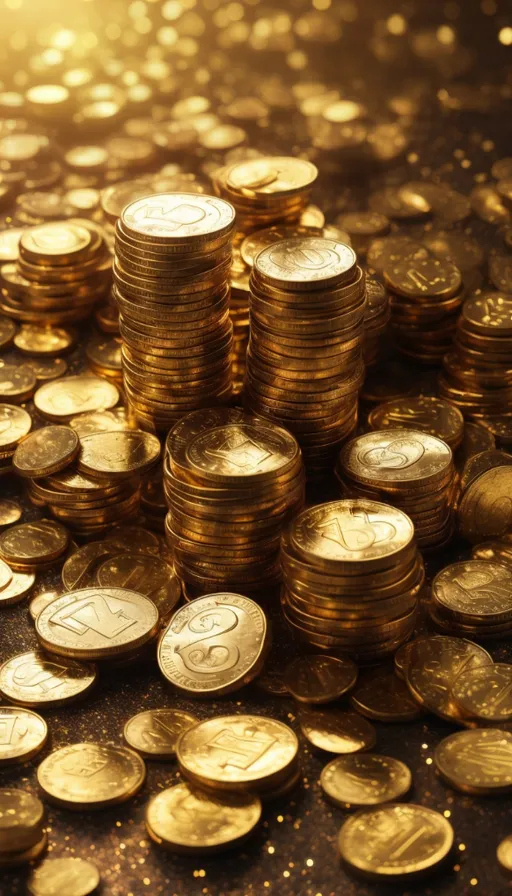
336	731
155	732
118	455
90	776
17	588
319	679
10	513
384	697
40	601
28	547
22	734
36	679
68	876
478	761
484	694
64	398
146	574
46	451
365	779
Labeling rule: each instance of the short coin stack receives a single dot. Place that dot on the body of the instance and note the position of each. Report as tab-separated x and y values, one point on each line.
412	470
22	834
304	366
478	372
473	599
171	274
426	297
351	573
376	320
266	191
63	270
231	483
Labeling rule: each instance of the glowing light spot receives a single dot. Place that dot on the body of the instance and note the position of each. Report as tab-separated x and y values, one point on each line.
505	36
396	24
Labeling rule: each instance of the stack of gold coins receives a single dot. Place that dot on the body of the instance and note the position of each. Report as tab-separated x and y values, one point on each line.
171	274
426	297
231	483
426	413
351	576
376	319
304	366
22	834
473	599
34	547
239	314
268	190
412	470
63	270
15	424
477	374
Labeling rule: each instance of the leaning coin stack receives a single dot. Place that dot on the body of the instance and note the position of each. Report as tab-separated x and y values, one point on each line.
22	834
376	320
473	599
231	483
411	470
478	372
351	576
304	366
171	274
426	297
266	191
63	270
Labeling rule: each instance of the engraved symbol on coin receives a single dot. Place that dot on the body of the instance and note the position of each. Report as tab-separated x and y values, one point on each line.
95	614
241	451
306	257
364	533
398	455
176	217
240	750
200	657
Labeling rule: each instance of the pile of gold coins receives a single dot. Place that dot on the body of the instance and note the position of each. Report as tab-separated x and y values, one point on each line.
351	577
409	468
304	366
473	599
171	275
477	374
231	483
62	272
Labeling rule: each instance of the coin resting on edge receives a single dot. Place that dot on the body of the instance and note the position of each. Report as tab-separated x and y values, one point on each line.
68	876
395	841
155	732
34	679
46	451
22	734
214	644
187	820
477	761
89	775
96	623
319	679
336	731
365	779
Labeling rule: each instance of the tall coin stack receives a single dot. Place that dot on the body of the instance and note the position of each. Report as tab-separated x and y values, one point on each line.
376	320
351	576
171	275
231	483
411	470
239	313
478	372
64	268
304	365
426	297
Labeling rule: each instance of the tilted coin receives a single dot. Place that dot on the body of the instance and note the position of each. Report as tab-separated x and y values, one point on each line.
434	664
68	876
477	761
21	820
233	753
73	395
80	569
10	513
97	623
395	841
91	775
28	545
214	644
46	451
485	509
145	573
155	732
17	588
365	779
35	679
187	820
22	734
319	679
504	854
336	731
383	697
475	588
485	693
31	854
116	455
432	415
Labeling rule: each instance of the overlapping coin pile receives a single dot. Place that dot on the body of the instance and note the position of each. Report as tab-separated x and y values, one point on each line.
63	270
351	576
171	274
477	373
426	297
473	599
231	483
304	366
412	470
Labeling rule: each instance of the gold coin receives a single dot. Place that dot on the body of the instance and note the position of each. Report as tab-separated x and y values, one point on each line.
434	664
477	761
68	876
154	733
35	679
9	242
477	589
46	451
73	395
115	455
28	545
45	341
8	329
336	731
21	821
298	263
426	277
485	511
241	752
17	588
319	679
273	175
383	697
47	369
396	457
40	601
485	693
178	217
91	775
431	415
10	512
97	623
22	734
395	841
23	857
64	242
213	645
5	574
122	539
98	421
80	570
365	779
15	423
504	854
187	820
144	573
17	382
